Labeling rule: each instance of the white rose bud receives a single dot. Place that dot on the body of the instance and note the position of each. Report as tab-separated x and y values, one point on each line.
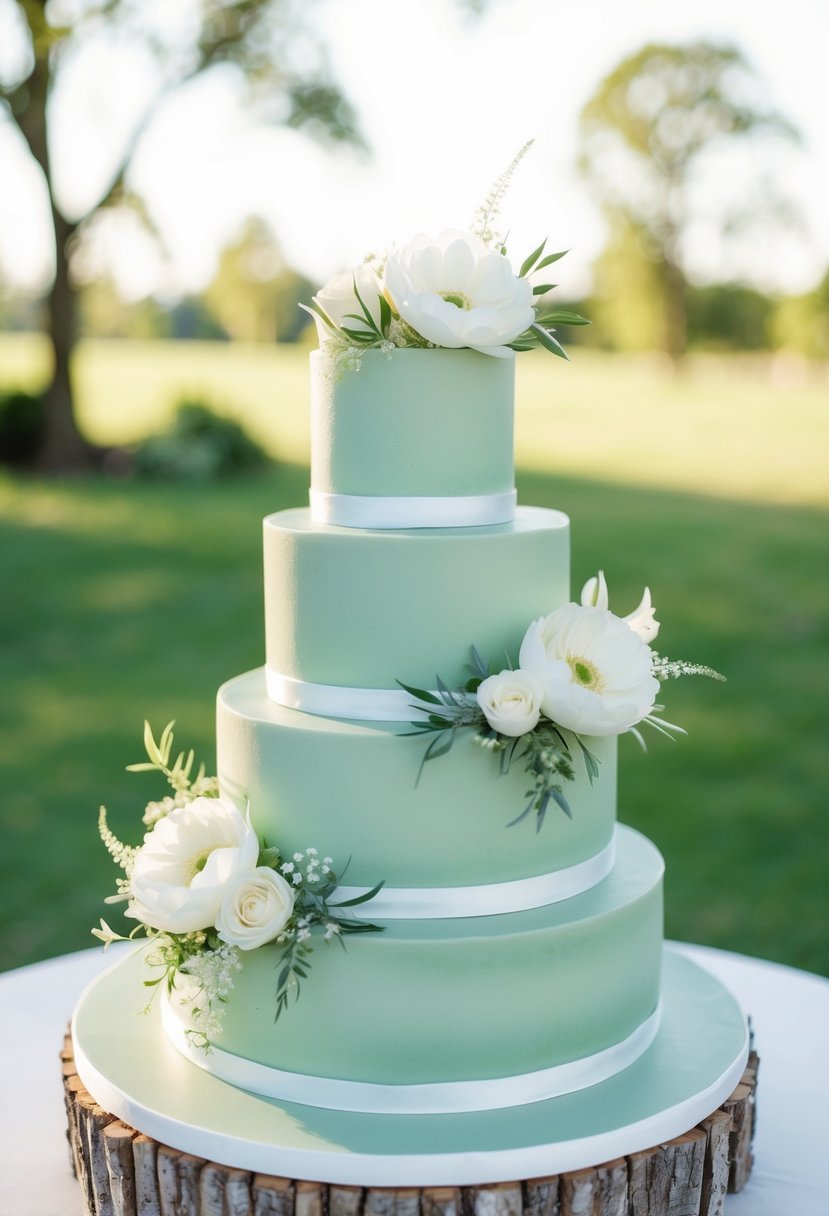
339	302
594	592
642	620
256	907
511	702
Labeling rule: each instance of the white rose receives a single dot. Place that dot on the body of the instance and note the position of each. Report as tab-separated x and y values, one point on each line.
594	594
180	871
595	671
339	302
256	907
511	702
458	292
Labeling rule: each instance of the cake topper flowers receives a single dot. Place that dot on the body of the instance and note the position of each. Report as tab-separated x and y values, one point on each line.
457	290
203	887
582	672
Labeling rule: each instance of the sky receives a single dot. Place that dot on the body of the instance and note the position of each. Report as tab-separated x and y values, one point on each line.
444	102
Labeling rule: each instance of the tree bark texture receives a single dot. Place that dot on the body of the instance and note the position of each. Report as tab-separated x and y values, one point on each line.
123	1173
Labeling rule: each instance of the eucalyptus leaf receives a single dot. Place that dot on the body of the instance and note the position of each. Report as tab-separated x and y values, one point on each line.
529	263
549	342
420	694
550	258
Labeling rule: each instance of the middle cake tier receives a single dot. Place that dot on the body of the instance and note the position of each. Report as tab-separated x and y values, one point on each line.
354	609
351	790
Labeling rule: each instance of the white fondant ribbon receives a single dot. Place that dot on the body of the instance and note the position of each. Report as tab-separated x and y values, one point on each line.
490	899
378	511
448	1097
335	701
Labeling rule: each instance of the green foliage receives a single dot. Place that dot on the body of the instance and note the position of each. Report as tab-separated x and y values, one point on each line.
801	323
729	316
21	427
200	446
642	133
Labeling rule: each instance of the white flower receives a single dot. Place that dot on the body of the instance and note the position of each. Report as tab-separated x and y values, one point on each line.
458	292
511	701
594	595
338	301
595	671
256	907
178	878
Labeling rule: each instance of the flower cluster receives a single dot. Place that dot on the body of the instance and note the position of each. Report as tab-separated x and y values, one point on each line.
582	672
458	290
203	887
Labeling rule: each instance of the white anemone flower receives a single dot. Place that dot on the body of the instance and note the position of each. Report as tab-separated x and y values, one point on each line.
180	871
594	670
458	292
594	594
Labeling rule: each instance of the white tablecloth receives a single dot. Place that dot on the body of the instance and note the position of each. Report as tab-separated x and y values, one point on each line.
789	1010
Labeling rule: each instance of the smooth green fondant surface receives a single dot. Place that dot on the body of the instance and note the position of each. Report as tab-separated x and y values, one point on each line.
129	1062
466	999
364	609
349	789
419	422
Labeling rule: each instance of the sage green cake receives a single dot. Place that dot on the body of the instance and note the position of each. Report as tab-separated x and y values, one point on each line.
315	747
423	772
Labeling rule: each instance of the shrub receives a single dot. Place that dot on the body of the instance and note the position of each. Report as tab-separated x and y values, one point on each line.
200	445
21	427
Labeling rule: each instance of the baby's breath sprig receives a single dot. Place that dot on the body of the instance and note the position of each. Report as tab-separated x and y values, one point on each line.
315	883
489	210
672	669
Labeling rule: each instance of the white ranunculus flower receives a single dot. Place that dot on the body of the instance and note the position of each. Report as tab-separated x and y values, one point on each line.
256	907
594	594
511	701
595	671
180	871
458	292
340	304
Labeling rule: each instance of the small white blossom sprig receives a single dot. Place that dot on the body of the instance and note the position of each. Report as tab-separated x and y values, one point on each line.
582	673
456	291
203	888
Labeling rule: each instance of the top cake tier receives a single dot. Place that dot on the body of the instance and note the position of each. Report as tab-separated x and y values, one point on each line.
418	438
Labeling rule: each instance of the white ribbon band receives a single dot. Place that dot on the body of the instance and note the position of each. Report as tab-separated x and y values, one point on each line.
334	701
449	1097
368	511
492	899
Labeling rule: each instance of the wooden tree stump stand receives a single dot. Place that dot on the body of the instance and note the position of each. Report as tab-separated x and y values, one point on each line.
124	1173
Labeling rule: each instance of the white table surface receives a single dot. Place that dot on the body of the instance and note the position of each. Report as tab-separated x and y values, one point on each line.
789	1010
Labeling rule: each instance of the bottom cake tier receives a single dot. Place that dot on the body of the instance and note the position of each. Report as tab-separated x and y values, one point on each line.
133	1071
463	1014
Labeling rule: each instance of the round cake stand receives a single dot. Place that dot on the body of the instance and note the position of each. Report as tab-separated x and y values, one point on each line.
133	1072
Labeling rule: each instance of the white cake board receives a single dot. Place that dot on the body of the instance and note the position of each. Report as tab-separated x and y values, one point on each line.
133	1071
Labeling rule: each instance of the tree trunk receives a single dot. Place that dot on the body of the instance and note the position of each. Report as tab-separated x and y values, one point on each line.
63	448
676	322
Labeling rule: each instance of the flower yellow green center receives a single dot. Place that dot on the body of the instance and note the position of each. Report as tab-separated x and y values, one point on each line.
457	298
586	673
198	863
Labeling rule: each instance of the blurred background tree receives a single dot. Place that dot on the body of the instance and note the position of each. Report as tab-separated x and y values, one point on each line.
267	44
255	294
643	134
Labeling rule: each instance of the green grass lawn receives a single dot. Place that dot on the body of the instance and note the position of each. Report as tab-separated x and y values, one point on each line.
121	601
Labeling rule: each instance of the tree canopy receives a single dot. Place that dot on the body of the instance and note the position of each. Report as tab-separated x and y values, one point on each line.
266	44
642	135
